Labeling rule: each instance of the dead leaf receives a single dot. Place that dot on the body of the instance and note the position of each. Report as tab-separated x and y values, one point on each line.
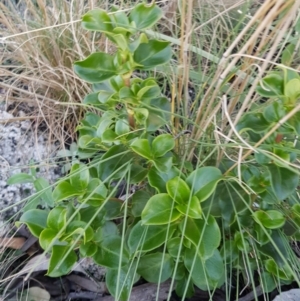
12	242
35	294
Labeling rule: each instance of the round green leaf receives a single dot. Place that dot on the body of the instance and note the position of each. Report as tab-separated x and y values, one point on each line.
147	238
292	89
272	85
191	209
88	249
139	201
178	190
142	148
108	229
79	228
97	20
158	179
271	219
205	233
145	16
156	267
158	210
57	218
283	180
61	261
203	181
47	237
79	176
64	191
96	193
96	68
120	281
35	220
162	144
20	178
151	54
207	275
109	253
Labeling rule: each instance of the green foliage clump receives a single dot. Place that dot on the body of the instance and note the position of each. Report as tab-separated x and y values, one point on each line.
179	221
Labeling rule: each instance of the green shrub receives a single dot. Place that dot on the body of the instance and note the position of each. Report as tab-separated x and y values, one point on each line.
179	219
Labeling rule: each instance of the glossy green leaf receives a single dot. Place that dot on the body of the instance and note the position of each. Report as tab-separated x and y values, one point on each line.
162	144
253	122
139	201
88	249
203	181
141	115
152	54
120	281
163	164
61	261
241	242
57	218
178	190
158	210
205	233
42	185
142	148
158	179
267	282
292	89
271	219
192	208
110	253
156	267
122	127
261	235
274	112
276	248
97	20
147	238
208	274
120	40
79	176
97	67
173	246
77	229
137	173
106	230
145	16
64	191
48	237
35	220
113	208
115	158
20	178
281	273
96	193
272	85
149	92
283	180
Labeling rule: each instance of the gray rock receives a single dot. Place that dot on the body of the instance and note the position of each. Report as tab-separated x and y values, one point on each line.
291	295
20	144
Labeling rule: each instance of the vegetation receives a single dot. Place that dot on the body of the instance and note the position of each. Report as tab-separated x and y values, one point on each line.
202	192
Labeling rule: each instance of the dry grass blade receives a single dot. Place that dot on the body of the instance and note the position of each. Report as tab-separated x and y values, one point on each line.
36	65
257	46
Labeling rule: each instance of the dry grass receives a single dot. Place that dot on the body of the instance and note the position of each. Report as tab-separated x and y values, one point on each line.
36	65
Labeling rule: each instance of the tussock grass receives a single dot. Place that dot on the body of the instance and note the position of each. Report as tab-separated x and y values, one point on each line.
36	65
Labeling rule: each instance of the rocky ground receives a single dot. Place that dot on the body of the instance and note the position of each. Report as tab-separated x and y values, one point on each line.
22	145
